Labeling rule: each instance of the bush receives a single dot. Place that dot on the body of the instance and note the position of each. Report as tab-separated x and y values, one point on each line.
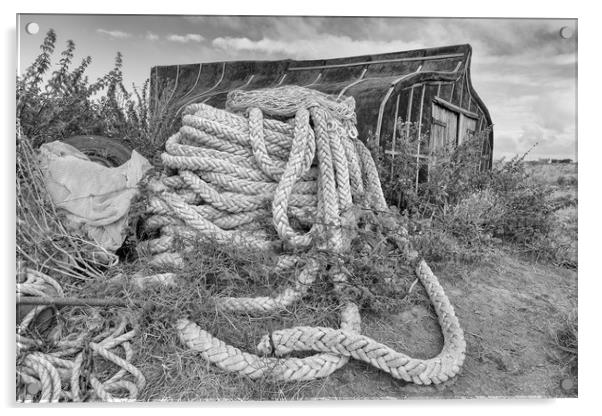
59	104
473	219
527	215
567	181
455	207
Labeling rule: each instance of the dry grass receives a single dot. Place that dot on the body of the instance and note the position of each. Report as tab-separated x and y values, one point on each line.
43	242
555	173
378	282
564	353
562	182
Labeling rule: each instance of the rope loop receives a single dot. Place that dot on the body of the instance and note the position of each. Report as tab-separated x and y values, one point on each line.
313	176
65	369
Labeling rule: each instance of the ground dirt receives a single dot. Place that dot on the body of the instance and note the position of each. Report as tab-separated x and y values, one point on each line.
506	307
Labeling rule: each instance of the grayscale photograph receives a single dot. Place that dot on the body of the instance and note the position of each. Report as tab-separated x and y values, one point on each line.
292	208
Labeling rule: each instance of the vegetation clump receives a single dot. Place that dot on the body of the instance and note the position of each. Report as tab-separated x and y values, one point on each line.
459	209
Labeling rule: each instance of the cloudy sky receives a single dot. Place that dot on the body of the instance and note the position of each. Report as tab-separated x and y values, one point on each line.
523	69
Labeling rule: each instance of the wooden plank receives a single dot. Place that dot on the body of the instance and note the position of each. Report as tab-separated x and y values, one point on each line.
455	108
462	85
393	153
382	61
419	133
417	155
460	135
429	94
452	120
409	112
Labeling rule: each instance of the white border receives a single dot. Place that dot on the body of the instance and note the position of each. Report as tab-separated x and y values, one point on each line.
589	172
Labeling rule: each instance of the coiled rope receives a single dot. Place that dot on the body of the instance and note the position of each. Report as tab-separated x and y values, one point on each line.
234	167
62	367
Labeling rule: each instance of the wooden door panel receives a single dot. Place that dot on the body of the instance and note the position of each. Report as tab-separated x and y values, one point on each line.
444	128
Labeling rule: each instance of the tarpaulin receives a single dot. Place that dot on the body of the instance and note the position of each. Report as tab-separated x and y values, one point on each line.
94	198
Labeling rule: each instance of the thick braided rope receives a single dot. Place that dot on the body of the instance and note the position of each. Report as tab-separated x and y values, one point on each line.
298	166
58	377
229	164
435	370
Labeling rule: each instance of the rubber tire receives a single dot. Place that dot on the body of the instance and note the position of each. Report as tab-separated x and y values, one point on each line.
104	150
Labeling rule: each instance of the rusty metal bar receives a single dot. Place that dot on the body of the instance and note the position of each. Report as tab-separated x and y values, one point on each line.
73	301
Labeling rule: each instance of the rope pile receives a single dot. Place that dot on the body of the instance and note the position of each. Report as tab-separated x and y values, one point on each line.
64	368
303	166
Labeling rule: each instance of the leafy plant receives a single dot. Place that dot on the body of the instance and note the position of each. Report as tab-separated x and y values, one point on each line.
63	103
455	206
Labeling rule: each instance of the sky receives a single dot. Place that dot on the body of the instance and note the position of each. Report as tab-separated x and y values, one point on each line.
523	69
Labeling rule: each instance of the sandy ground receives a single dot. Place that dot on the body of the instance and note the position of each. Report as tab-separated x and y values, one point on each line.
506	308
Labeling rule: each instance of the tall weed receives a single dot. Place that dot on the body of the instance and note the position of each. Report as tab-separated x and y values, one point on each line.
53	105
456	208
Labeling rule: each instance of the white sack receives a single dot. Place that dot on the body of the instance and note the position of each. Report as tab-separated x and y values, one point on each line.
94	198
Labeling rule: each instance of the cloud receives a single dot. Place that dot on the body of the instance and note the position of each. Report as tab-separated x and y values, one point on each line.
323	46
114	34
189	37
524	71
151	36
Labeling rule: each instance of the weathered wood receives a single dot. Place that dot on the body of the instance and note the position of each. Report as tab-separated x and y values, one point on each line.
455	108
315	81
357	81
409	112
282	78
461	89
196	81
394	135
419	135
381	109
382	61
370	79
